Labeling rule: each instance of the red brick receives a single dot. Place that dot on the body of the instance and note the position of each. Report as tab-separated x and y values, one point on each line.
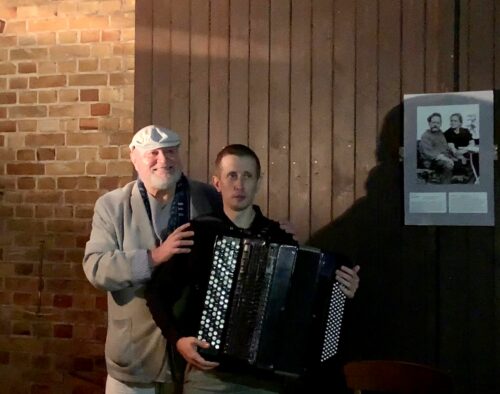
45	139
111	35
46	183
63	301
47	96
81	196
26	68
28	97
44	211
28	111
87	65
58	168
89	95
73	110
83	364
67	226
45	154
21	328
88	80
7	126
4	357
99	109
8	98
22	298
88	124
89	36
68	95
23	269
43	197
27	125
66	182
25	169
39	361
6	212
48	81
100	334
26	183
87	139
101	303
40	389
63	331
84	212
7	68
28	53
50	24
25	154
108	152
121	79
96	168
24	212
85	21
18	83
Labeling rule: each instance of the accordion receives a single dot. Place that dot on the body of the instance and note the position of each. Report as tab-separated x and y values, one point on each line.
273	307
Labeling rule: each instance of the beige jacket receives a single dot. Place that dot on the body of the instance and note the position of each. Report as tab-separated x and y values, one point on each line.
121	234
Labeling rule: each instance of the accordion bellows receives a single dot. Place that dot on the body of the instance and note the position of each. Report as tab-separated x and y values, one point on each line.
269	306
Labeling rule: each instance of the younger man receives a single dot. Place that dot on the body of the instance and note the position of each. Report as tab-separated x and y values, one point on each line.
237	178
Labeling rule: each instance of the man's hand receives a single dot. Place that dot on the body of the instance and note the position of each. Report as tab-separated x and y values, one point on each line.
188	348
176	243
289	228
348	279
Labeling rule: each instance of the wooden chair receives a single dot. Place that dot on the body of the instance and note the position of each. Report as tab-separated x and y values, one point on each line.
387	376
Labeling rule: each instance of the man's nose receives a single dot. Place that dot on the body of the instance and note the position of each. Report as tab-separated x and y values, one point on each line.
162	156
238	184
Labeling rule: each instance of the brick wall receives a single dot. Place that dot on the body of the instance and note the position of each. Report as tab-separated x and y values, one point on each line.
66	116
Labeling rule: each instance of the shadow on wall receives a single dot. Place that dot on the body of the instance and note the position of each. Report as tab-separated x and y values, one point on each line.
387	318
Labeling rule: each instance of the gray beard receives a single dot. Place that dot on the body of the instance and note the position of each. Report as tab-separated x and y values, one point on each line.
165	184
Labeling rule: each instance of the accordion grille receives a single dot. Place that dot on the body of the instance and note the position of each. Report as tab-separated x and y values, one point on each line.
334	323
217	297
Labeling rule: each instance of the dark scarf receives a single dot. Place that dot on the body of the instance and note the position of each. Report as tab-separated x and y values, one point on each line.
179	210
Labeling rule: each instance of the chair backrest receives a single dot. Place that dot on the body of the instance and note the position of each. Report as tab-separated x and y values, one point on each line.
388	376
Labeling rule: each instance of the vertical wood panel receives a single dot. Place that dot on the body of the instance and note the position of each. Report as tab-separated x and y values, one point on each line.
309	84
179	101
412	58
198	132
161	72
389	69
321	113
143	64
279	110
300	117
258	111
480	353
439	46
423	263
219	53
366	93
238	71
343	106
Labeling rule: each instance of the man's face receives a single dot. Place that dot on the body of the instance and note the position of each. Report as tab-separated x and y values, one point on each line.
435	123
159	169
455	122
237	181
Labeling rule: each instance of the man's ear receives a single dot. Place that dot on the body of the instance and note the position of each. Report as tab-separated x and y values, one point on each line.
216	182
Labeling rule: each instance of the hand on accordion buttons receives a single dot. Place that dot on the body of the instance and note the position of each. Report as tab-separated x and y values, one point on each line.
348	279
188	348
175	243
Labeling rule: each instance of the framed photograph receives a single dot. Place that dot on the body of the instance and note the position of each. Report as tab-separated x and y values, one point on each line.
448	159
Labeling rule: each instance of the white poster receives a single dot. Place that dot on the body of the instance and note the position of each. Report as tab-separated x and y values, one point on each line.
448	160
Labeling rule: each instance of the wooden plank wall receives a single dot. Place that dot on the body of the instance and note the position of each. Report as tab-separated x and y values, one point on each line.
315	87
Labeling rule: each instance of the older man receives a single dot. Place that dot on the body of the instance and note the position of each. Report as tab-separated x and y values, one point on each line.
434	149
135	229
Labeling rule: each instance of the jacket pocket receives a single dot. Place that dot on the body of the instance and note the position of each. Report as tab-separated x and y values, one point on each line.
119	346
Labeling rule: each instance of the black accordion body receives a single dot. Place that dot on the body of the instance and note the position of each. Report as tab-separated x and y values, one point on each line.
273	307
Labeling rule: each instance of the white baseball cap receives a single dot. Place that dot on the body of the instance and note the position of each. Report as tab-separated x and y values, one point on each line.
155	137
